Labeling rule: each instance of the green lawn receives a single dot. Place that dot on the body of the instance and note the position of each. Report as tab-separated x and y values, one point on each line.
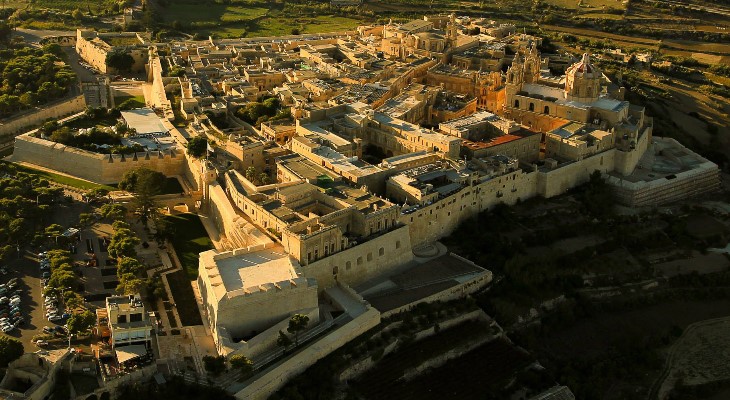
134	101
62	179
86	123
189	240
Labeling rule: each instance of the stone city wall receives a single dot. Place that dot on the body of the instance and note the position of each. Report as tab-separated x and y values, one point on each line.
274	378
363	261
439	219
99	168
31	118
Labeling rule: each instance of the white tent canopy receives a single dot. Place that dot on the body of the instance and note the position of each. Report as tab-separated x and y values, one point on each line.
126	353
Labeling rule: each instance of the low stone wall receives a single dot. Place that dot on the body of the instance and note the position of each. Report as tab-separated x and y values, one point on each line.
275	377
22	123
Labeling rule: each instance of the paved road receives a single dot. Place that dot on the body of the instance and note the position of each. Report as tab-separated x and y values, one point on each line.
34	36
73	58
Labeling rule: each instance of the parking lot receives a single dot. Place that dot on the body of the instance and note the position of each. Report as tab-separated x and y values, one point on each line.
27	271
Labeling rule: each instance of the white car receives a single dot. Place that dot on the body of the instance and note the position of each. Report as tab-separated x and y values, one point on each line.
40	343
15	297
14	302
7	328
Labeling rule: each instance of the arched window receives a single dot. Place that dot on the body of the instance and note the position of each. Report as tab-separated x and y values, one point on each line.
546	110
532	106
517	104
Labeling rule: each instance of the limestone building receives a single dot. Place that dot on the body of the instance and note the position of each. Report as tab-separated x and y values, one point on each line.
249	290
125	322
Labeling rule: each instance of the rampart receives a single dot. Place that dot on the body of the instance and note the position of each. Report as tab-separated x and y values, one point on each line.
58	109
100	168
275	377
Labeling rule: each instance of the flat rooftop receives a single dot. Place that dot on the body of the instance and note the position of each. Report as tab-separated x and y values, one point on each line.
144	120
251	269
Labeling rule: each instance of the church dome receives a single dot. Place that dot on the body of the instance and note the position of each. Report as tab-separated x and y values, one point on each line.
584	68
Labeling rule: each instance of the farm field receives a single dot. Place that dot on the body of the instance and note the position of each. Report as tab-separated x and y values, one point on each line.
250	19
62	5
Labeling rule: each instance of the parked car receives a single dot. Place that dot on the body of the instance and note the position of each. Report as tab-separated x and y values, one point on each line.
46	275
60	329
14	302
7	328
41	343
4	300
47	329
55	318
3	271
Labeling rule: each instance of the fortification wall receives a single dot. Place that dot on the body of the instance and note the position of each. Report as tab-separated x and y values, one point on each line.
94	167
376	257
434	221
557	181
274	378
22	123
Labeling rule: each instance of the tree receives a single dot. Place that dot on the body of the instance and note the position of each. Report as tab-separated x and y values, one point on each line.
5	32
77	14
81	322
251	174
113	211
129	284
120	60
283	341
242	363
264	178
72	300
164	229
86	219
214	365
297	323
144	184
198	146
10	350
129	265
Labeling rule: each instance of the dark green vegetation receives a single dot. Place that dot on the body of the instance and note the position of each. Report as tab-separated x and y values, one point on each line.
10	350
98	137
215	365
31	77
198	146
175	388
144	184
321	380
572	245
182	293
382	381
189	240
25	200
120	60
267	110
